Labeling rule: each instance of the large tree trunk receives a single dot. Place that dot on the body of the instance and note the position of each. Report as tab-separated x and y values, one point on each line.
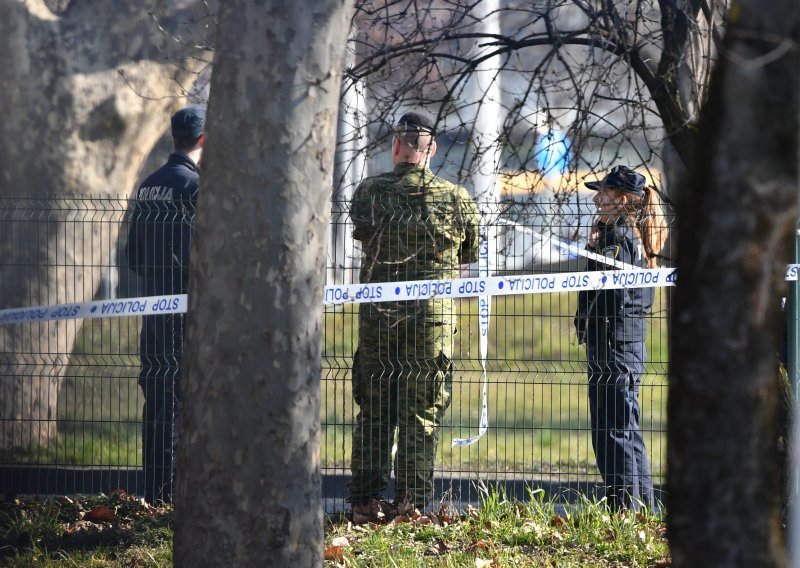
74	83
737	215
249	484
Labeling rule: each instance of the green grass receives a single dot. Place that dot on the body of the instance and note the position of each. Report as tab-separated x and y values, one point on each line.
499	533
503	532
99	403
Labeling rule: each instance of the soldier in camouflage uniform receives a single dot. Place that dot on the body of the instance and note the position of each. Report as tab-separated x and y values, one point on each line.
412	225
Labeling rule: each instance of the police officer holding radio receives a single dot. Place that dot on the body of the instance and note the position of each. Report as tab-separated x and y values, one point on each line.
158	250
630	228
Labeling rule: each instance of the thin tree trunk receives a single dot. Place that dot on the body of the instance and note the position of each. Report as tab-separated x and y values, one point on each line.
350	167
249	484
737	213
76	127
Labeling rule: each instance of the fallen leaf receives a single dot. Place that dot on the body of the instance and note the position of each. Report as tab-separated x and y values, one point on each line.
80	526
558	521
359	519
340	541
405	508
447	515
534	527
437	548
333	553
100	514
445	545
479	545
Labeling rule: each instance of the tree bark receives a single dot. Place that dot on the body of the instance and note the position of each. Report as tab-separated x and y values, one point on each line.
737	212
249	484
77	80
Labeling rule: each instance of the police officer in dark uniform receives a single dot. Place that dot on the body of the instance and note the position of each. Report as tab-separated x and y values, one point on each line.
630	228
158	250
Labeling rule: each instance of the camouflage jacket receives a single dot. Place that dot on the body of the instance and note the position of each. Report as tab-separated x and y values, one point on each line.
414	225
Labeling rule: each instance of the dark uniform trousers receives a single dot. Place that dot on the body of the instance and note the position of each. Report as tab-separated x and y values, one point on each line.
615	371
159	380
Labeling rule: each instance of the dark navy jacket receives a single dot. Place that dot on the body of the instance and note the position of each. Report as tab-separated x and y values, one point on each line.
616	314
158	247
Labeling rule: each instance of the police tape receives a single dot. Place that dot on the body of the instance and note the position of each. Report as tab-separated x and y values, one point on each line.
364	293
373	293
498	285
484	318
570	248
508	285
143	306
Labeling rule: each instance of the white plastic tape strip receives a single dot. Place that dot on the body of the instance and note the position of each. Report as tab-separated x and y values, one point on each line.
381	292
499	285
574	249
484	319
143	306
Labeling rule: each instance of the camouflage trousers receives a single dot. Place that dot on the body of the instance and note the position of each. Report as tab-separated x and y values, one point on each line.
405	396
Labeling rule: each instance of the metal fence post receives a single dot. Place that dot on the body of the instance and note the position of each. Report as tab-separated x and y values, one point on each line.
792	313
793	322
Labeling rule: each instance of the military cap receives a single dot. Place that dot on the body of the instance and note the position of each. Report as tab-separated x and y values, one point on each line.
414	122
622	178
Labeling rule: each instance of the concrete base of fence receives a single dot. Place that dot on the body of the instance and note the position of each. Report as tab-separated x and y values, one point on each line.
449	488
61	480
462	491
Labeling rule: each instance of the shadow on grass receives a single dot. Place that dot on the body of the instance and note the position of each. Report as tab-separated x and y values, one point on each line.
34	531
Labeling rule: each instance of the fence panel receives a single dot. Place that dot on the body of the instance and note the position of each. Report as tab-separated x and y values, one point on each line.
539	433
72	408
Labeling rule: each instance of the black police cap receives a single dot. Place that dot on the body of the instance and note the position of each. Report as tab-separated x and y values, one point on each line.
622	178
188	123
